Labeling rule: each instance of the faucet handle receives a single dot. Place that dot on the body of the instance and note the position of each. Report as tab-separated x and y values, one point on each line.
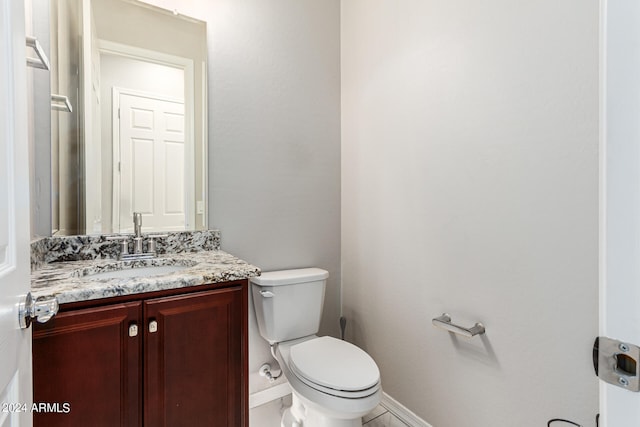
124	243
152	242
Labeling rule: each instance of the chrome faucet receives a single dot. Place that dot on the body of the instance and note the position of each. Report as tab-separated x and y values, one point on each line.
137	229
137	223
138	240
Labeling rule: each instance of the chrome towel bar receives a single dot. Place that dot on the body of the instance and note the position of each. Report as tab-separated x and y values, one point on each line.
444	322
42	61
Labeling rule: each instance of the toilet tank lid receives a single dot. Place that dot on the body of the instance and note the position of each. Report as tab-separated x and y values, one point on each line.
288	277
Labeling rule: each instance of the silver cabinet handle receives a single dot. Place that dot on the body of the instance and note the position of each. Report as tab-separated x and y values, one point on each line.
42	62
65	106
133	330
42	310
153	326
444	322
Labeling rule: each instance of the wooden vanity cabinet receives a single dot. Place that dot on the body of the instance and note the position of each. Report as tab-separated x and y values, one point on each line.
186	366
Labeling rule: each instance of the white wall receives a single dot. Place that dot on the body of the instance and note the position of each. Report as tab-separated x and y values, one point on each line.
470	186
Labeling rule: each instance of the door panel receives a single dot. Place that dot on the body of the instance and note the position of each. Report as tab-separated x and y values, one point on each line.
194	360
152	162
88	360
15	343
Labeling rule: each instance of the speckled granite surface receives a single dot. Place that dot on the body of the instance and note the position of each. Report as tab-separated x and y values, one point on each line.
72	280
75	248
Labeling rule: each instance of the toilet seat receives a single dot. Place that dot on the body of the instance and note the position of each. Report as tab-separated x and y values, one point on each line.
334	367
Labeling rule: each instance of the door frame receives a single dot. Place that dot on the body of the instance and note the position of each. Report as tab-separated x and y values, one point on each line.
189	159
107	47
619	216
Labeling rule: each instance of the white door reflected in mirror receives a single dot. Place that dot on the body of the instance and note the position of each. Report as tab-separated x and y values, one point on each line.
97	178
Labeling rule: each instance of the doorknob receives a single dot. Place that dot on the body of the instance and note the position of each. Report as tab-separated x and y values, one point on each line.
42	310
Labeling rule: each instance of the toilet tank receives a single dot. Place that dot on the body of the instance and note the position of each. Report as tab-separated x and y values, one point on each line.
288	303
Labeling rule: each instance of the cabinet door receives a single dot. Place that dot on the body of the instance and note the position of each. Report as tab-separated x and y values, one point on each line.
194	358
86	367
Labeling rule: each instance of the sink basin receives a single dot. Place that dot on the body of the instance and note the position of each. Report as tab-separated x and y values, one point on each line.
154	270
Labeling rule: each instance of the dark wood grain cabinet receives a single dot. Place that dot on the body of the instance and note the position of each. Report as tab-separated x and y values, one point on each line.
159	359
86	359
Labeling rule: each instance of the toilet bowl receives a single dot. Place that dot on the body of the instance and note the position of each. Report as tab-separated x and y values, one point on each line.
334	379
334	383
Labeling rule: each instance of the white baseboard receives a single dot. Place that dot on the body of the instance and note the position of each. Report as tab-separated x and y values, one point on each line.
401	412
272	393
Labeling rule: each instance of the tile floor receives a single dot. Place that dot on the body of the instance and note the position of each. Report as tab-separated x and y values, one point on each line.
269	415
380	417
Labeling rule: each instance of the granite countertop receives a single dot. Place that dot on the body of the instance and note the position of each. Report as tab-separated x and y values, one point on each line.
71	281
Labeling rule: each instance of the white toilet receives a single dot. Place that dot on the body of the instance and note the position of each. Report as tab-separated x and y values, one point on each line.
334	382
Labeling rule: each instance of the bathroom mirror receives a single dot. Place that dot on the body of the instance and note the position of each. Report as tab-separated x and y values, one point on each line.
135	137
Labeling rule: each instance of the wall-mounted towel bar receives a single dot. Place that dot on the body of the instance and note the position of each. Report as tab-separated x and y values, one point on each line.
42	61
65	106
444	322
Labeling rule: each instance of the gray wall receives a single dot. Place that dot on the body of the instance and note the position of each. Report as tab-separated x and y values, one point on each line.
274	141
470	186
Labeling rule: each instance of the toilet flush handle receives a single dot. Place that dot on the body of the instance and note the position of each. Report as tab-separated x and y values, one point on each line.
267	294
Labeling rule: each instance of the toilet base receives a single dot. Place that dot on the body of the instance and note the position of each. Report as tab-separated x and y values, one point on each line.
288	420
299	415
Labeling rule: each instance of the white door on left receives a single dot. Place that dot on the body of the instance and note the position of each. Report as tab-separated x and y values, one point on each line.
15	343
